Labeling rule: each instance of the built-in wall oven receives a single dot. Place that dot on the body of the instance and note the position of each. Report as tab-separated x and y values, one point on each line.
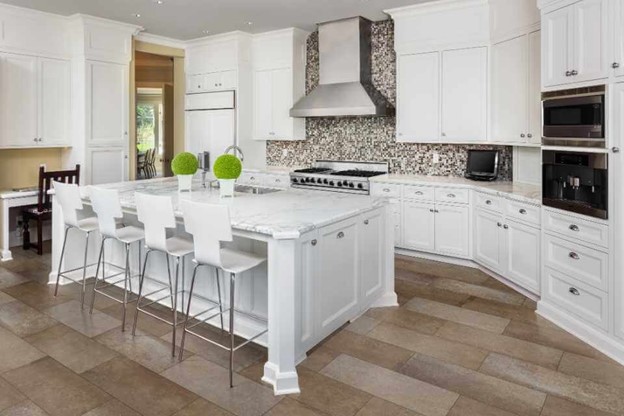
575	181
574	117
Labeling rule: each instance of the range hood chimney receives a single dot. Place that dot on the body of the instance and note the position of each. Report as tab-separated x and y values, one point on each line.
345	87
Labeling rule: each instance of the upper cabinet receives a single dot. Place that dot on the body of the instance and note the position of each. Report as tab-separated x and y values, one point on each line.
278	82
618	43
575	45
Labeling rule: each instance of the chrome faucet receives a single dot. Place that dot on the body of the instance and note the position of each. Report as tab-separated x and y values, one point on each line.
236	149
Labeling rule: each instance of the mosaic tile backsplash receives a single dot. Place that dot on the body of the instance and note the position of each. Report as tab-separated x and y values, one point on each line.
373	138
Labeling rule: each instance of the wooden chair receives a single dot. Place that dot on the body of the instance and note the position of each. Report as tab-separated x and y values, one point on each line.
43	210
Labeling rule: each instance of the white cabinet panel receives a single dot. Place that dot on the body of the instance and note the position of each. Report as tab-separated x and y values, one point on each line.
534	133
107	103
281	102
452	227
464	95
106	165
418	97
523	255
195	83
263	97
590	40
617	165
54	102
18	100
418	226
211	131
618	47
273	99
371	249
488	240
556	47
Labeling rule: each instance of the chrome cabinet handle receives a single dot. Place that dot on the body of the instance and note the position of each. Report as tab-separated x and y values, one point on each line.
574	291
278	181
506	226
615	149
530	136
313	242
615	65
418	193
522	135
451	195
499	224
522	211
340	235
35	139
431	210
252	178
574	72
574	256
366	222
568	73
386	190
574	227
488	202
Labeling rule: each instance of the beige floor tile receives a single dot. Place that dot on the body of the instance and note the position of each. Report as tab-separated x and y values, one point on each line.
514	312
9	395
112	408
56	389
81	320
473	384
74	291
591	369
72	349
145	349
319	358
328	395
556	406
512	298
289	407
439	269
451	351
137	387
254	372
362	325
26	408
145	322
599	396
536	353
414	277
211	381
201	407
407	290
379	407
369	349
459	315
412	320
9	279
4	298
468	407
402	390
23	320
553	337
15	352
36	295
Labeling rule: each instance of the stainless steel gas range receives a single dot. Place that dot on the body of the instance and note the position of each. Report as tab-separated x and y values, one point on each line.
338	176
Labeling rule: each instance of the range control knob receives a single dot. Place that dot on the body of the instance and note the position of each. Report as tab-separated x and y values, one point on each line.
295	180
331	183
307	180
360	186
325	181
351	185
340	184
346	183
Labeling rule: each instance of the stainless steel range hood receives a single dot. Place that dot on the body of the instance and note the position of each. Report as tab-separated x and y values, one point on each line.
345	87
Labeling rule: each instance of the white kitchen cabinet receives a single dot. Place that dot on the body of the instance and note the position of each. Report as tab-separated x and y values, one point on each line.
534	132
418	97
210	130
464	95
107	165
452	230
214	81
618	39
263	96
54	102
488	240
575	47
522	262
419	225
370	255
107	104
617	166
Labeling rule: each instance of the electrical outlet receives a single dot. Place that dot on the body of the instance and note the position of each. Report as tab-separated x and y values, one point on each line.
436	158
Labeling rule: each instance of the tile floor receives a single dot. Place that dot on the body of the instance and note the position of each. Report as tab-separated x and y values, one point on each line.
460	344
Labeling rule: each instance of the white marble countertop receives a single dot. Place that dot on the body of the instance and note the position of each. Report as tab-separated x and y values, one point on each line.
531	194
11	193
274	170
285	214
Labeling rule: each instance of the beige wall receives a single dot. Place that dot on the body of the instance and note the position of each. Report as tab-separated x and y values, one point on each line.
19	168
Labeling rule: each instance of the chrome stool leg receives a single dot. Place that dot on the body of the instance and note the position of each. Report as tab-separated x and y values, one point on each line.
169	276
127	275
58	275
84	270
141	280
188	311
232	279
220	303
175	307
97	272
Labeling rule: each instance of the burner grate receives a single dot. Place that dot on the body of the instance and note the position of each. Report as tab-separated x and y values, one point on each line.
357	173
312	170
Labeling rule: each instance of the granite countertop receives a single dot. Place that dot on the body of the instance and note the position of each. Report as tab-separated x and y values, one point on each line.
285	214
531	194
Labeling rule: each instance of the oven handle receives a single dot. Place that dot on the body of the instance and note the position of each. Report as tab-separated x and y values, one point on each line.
565	100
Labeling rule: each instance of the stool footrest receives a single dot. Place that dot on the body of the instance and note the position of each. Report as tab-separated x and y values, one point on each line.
227	348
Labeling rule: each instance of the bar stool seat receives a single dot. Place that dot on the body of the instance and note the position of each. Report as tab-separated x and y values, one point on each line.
233	261
179	246
87	224
130	234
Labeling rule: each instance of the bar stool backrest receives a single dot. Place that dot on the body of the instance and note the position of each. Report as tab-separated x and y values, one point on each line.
210	225
156	214
68	197
108	208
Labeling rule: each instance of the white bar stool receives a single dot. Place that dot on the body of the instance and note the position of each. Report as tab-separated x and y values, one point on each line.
210	225
106	205
68	198
156	214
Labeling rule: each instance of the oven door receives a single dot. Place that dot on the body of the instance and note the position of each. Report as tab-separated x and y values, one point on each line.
574	121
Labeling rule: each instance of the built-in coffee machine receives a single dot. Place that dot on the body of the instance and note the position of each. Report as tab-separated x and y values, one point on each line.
576	182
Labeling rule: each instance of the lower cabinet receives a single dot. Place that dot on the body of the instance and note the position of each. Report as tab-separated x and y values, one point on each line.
488	240
418	225
106	165
371	262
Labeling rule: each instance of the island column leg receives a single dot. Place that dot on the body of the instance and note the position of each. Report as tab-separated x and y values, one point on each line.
58	231
280	369
389	297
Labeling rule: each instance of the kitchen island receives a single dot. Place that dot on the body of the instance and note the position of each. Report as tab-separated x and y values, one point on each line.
330	258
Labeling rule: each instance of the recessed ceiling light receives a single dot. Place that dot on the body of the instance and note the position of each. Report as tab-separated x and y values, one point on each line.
249	23
159	2
137	15
205	31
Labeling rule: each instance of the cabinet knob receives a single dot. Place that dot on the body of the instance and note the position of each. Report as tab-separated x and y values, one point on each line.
529	135
574	227
488	202
506	226
366	222
574	291
615	65
418	193
386	189
574	256
450	195
400	134
499	224
522	135
522	211
568	73
340	235
443	134
574	72
313	242
35	139
615	149
199	87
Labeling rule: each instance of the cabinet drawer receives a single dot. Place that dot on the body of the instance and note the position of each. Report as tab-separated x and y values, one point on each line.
585	264
452	195
385	189
275	181
251	178
583	301
419	192
488	202
583	231
524	212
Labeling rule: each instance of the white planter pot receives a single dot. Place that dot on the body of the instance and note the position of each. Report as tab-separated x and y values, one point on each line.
226	187
185	182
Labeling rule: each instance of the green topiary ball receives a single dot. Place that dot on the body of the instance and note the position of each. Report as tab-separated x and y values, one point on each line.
227	167
184	163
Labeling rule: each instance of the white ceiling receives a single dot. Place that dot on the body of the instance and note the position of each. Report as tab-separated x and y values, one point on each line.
188	19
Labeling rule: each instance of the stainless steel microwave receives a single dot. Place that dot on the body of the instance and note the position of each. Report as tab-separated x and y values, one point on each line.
574	118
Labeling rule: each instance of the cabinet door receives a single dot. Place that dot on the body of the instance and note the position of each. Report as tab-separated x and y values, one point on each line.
195	83
54	102
510	90
534	134
263	99
556	47
337	281
106	165
590	40
371	253
464	95
617	166
418	97
452	228
229	80
221	127
18	100
523	255
488	240
282	101
418	226
618	50
107	103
